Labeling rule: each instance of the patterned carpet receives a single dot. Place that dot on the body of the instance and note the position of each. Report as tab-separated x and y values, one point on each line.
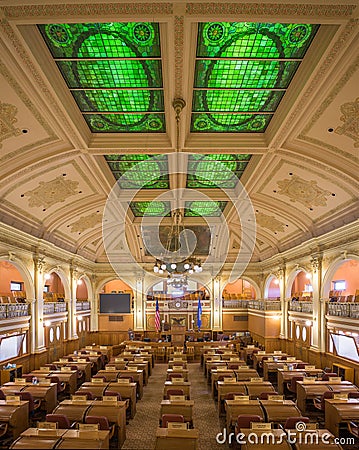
141	431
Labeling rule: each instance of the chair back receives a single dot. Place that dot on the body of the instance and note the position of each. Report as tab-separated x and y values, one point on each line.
231	395
300	366
233	366
171	418
174	392
264	395
328	375
27	397
102	422
61	420
291	422
245	420
2	395
174	375
293	383
89	394
113	394
99	376
123	375
353	394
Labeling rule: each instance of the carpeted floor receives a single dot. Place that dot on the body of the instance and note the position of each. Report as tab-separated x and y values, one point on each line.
141	431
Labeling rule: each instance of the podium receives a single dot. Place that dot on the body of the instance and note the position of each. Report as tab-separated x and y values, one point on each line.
178	334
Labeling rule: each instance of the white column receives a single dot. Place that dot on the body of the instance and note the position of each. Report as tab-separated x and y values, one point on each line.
94	306
37	307
139	306
72	305
317	341
281	276
216	305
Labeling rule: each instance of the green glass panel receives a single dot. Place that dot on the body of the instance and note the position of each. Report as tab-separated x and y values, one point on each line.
112	123
244	74
151	174
254	40
224	123
215	171
204	209
236	100
153	209
102	40
119	100
112	73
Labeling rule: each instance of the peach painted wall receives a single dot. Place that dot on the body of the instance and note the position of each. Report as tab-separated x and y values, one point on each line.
348	271
81	292
116	285
55	284
299	282
8	273
273	289
238	286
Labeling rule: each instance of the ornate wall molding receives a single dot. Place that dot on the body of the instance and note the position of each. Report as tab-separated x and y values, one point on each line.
7	122
178	46
350	114
269	222
85	223
306	192
51	192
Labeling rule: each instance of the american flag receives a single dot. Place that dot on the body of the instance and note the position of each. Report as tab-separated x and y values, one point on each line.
157	318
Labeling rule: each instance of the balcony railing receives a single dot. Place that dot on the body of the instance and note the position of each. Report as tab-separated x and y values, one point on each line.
83	306
263	305
54	307
9	310
305	307
343	310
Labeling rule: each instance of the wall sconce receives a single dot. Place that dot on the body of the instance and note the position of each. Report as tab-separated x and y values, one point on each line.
47	323
79	318
79	282
47	276
276	281
308	276
308	323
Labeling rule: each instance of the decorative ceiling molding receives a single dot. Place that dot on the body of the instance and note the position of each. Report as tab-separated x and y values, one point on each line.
308	193
350	117
7	122
51	192
178	46
275	9
269	222
85	223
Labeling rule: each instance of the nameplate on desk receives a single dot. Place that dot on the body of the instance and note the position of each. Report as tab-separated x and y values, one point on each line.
93	354
335	379
127	353
261	352
88	347
132	369
277	352
109	399
276	398
64	360
216	358
176	426
82	360
250	346
20	381
97	380
261	426
234	359
123	380
47	425
285	367
256	380
340	396
44	382
270	359
178	353
119	360
211	352
79	398
227	352
88	426
241	398
177	367
309	368
144	353
177	380
45	369
110	368
309	380
65	369
139	360
227	380
291	358
242	367
177	359
103	347
147	348
177	398
12	399
311	427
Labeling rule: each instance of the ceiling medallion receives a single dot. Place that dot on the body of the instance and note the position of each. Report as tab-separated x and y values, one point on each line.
350	115
303	191
48	193
269	222
7	120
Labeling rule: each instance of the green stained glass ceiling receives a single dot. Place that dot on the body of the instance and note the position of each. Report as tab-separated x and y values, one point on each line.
204	208
215	171
153	209
242	72
113	71
151	174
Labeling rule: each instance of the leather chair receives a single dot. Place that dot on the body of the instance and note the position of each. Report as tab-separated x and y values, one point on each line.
113	394
245	420
264	395
174	375
328	375
99	376
319	402
292	385
291	422
60	385
300	366
231	395
103	423
89	394
233	366
2	395
174	392
34	405
353	394
171	418
61	420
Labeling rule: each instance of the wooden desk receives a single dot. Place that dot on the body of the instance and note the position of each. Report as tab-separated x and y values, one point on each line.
279	411
138	379
110	375
215	374
224	388
115	413
284	376
96	389
47	394
17	416
308	391
146	359
28	443
234	408
96	360
185	386
74	439
337	411
127	391
274	438
258	358
167	439
172	363
210	365
273	366
141	366
185	408
255	388
183	372
247	352
245	374
75	411
70	378
84	366
120	365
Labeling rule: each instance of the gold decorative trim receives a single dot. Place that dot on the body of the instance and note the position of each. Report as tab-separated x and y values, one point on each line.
7	122
306	192
275	9
85	223
178	45
48	193
269	222
350	117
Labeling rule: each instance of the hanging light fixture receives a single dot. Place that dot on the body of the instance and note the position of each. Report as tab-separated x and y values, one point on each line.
171	262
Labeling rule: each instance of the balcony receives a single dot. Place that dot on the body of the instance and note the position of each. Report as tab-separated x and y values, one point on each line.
83	306
304	307
10	310
343	310
54	307
263	305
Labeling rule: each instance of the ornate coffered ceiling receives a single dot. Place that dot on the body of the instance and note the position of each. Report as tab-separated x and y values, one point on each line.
299	167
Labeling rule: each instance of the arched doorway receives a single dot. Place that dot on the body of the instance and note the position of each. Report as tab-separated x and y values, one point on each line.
299	285
241	289
271	288
341	281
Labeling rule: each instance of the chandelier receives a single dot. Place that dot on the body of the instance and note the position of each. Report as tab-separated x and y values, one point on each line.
174	262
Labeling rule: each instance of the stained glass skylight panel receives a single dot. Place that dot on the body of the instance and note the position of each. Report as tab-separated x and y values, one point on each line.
151	174
113	71
152	209
204	208
242	72
215	170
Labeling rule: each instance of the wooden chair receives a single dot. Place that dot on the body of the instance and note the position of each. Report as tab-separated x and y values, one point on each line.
160	353
190	352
